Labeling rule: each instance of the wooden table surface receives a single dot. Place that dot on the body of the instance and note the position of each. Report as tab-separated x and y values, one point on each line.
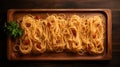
114	5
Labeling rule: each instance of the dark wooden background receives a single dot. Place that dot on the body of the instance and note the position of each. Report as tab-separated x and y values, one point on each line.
114	5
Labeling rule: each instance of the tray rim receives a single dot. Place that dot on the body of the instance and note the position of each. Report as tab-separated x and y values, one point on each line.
108	13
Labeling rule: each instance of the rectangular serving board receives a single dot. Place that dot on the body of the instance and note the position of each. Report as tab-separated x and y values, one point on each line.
14	14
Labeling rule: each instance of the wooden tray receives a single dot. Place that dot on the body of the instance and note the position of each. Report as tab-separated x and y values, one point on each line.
13	14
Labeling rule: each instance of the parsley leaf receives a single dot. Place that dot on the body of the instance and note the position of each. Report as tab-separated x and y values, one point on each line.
13	29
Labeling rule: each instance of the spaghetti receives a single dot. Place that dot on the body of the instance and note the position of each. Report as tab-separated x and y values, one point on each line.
59	33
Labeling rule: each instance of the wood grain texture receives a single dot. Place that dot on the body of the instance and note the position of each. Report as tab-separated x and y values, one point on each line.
114	5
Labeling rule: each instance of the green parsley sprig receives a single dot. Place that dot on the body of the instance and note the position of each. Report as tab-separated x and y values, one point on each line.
13	29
